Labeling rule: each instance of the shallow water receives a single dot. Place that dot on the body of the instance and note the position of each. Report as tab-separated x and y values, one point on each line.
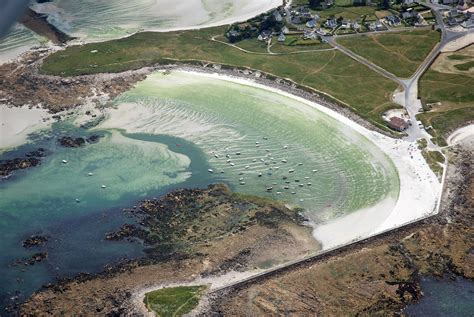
334	170
444	298
167	133
94	20
18	40
43	200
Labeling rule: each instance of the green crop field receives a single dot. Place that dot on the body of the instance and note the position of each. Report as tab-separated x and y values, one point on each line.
362	90
175	301
399	53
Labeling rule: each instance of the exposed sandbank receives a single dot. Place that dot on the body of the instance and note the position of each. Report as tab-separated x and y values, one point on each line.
17	122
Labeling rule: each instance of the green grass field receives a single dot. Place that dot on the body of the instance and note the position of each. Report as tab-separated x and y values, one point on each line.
399	53
455	98
348	13
465	66
174	301
330	72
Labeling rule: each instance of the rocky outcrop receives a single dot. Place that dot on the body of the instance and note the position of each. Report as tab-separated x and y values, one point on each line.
31	159
35	241
70	142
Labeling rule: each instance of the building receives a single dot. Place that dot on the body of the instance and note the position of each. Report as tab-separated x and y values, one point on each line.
393	20
281	37
311	23
265	35
469	23
398	124
331	23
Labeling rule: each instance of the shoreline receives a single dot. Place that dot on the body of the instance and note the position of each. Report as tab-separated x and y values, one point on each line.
17	122
241	18
415	191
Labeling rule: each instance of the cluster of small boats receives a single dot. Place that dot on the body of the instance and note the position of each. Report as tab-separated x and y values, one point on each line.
270	166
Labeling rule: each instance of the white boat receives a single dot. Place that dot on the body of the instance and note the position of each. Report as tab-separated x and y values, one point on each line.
90	174
78	200
242	183
299	164
285	147
286	187
306	177
227	155
216	156
309	184
291	171
259	174
247	167
269	188
238	153
254	160
64	162
232	164
293	193
103	186
257	142
284	161
300	185
228	161
314	171
265	138
262	160
210	170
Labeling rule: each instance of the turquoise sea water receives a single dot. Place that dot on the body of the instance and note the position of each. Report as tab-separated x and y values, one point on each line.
42	200
167	133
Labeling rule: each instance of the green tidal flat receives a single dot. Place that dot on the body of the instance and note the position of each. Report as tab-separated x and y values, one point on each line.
262	143
174	301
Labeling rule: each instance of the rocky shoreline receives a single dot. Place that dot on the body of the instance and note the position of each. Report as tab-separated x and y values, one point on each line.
31	159
379	276
186	233
71	92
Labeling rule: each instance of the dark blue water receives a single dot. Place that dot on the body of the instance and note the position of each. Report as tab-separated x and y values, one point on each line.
30	203
444	298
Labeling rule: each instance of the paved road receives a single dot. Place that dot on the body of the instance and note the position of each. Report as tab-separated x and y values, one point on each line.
410	99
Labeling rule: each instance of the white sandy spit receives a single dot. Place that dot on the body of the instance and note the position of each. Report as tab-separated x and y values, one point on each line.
16	123
420	189
461	135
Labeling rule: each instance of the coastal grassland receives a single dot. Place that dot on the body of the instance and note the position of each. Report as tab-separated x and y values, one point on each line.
465	66
174	301
330	72
399	53
348	13
433	158
450	101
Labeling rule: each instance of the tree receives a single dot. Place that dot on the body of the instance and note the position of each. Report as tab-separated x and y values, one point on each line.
314	4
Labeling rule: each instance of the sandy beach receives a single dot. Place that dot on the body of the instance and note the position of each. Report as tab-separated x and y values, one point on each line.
128	18
462	134
17	122
420	189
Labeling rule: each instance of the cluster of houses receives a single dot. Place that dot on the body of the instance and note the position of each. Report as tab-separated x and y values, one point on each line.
464	18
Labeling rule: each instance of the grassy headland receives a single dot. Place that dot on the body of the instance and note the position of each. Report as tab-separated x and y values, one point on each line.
450	102
331	72
399	53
